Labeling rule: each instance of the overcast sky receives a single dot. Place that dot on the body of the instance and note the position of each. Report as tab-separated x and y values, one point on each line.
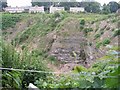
14	3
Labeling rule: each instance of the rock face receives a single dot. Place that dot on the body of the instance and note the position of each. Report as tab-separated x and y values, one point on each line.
72	46
68	49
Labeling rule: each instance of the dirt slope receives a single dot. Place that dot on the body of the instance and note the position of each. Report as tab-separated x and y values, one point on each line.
68	44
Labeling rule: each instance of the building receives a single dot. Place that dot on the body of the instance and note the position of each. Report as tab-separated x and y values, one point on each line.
56	9
77	9
14	9
36	9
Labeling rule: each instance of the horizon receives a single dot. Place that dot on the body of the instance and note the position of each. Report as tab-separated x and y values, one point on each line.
19	3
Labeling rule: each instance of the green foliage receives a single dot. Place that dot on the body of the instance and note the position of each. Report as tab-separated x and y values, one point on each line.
98	44
116	33
12	79
9	20
114	6
97	36
102	74
3	4
82	22
102	32
97	76
105	9
106	41
78	69
87	30
27	61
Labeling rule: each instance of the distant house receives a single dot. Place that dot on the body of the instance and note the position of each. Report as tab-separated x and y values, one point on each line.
77	9
14	9
36	9
56	9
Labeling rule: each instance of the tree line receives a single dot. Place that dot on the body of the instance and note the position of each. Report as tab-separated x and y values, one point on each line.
91	7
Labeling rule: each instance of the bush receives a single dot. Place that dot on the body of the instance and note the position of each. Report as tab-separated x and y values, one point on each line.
87	30
102	32
81	27
106	41
82	22
116	33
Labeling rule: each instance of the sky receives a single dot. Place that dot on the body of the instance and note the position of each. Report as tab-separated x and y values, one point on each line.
19	3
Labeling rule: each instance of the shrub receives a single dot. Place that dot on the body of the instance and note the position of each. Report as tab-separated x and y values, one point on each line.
82	22
87	30
102	32
106	41
116	33
81	27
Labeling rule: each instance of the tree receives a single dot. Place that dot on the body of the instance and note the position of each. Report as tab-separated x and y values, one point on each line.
68	3
114	6
93	7
60	3
2	5
45	4
105	9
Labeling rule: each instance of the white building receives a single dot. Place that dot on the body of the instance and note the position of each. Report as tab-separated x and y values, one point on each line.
77	9
14	9
56	9
36	9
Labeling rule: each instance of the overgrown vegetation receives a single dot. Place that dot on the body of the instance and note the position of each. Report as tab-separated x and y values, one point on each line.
27	61
101	74
9	20
116	33
105	42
